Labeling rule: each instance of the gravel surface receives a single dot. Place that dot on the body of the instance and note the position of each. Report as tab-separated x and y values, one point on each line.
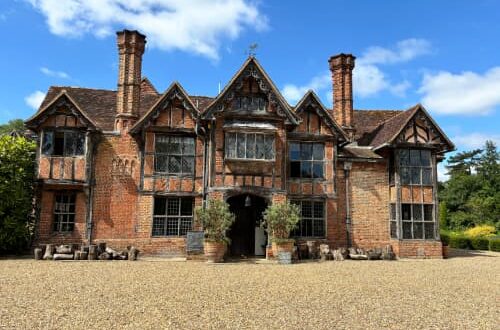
458	293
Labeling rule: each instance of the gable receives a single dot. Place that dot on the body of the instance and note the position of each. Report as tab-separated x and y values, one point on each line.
62	111
174	109
315	119
251	79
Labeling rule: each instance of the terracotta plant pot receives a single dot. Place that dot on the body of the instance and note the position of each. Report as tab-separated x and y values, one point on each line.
214	251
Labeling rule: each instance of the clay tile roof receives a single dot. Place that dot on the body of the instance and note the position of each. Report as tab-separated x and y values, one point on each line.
201	102
385	132
358	152
366	123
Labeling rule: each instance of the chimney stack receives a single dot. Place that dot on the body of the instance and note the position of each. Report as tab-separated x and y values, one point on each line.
341	67
130	49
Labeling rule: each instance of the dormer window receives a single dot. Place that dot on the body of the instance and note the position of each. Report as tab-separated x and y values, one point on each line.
251	146
64	143
250	103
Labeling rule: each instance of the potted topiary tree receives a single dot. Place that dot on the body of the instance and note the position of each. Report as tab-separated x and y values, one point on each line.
280	219
216	220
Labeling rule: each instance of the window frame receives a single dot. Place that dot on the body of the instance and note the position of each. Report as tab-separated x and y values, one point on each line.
166	216
233	154
297	232
181	155
311	161
79	136
69	199
411	168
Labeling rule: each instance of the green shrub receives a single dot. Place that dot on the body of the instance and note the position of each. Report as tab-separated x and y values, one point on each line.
445	237
443	215
459	242
479	243
480	231
216	219
280	219
494	244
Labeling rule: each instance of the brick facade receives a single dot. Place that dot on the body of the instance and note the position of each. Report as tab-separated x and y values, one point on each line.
119	176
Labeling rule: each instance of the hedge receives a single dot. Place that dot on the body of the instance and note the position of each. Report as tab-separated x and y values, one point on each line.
479	243
459	242
445	238
494	244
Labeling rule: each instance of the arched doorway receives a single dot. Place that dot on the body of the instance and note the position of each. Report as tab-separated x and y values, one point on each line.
247	238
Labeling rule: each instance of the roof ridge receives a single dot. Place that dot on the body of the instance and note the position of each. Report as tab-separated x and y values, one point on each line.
78	87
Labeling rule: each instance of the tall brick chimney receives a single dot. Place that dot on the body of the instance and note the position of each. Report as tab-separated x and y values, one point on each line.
130	49
341	67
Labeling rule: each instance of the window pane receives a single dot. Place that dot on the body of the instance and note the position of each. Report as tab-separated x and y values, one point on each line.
428	212
47	145
161	143
306	169
160	204
318	170
426	176
174	147
188	165
418	230
318	151
318	209
188	146
295	169
161	162
186	206
405	175
174	164
407	230
306	151
319	228
185	226
404	157
394	230
269	146
80	144
231	145
406	211
306	209
158	226
172	227
250	146
240	144
294	151
417	212
415	175
173	206
425	158
415	157
429	230
69	143
306	227
259	149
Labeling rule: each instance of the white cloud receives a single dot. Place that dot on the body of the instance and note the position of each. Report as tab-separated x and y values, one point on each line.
368	79
35	99
52	73
475	140
193	26
467	93
442	172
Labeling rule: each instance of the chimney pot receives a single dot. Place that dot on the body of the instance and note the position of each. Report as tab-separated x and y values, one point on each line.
341	66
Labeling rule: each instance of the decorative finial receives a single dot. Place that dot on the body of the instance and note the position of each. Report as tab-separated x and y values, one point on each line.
252	49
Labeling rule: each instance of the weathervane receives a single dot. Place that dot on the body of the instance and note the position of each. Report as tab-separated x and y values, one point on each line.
252	49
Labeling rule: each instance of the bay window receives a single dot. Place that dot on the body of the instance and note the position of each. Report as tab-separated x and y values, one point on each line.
252	146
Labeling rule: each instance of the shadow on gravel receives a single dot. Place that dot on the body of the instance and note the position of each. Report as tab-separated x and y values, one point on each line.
459	253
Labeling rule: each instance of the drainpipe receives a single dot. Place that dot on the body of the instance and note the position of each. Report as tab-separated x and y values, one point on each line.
89	224
347	171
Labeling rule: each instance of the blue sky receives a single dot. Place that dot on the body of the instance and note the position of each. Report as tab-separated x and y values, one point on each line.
444	54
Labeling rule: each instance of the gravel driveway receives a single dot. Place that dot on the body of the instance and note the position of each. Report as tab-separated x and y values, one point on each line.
458	293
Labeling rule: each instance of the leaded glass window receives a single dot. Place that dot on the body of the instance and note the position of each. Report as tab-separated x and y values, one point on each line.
257	146
65	143
415	167
417	221
174	154
64	212
306	160
312	221
172	216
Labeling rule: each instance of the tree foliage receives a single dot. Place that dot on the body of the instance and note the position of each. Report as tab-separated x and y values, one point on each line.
216	219
13	125
280	219
17	161
471	196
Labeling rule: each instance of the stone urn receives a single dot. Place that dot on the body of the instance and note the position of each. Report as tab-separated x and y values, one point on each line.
215	251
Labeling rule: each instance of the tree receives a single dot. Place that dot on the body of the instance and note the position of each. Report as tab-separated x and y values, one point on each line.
13	125
489	165
17	164
463	162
